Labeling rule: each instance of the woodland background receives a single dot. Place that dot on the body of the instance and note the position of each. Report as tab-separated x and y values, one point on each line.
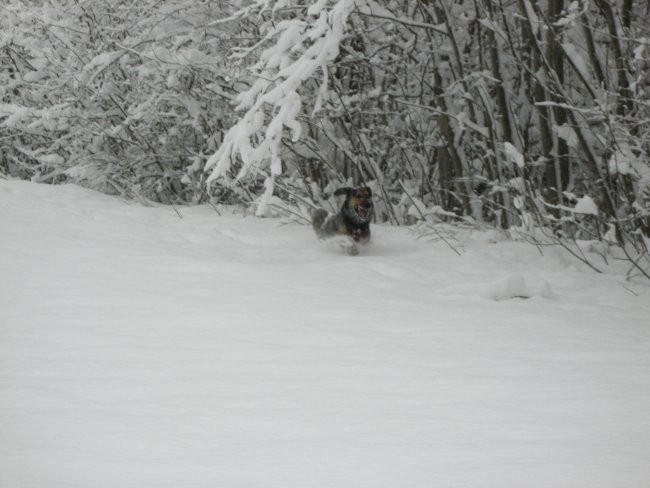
522	115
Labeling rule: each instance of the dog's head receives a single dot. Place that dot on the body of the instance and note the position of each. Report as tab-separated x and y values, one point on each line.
358	203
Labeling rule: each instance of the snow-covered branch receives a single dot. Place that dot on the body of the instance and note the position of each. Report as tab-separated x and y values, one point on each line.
302	50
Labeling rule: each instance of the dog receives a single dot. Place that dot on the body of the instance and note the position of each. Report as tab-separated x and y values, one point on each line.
352	221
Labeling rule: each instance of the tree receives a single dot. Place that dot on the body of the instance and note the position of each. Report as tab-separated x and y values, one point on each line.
509	113
492	111
123	97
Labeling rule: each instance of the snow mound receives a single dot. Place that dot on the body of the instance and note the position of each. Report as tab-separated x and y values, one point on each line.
513	286
509	287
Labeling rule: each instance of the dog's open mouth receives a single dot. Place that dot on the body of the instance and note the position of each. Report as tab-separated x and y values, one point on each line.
362	212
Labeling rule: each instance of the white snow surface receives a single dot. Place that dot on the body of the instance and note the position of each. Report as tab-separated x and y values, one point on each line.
139	349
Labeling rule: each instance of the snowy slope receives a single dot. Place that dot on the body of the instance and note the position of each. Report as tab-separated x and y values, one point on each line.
139	349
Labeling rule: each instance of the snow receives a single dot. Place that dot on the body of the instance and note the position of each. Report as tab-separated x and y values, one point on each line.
567	133
140	349
586	205
625	161
53	159
514	155
14	114
300	51
573	14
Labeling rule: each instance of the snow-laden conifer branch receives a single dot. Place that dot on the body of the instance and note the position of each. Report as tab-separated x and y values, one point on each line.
302	51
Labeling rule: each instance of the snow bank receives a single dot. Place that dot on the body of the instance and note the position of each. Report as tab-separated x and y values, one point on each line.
143	350
512	286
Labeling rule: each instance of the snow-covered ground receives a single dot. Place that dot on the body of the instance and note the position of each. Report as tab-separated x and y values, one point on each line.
139	349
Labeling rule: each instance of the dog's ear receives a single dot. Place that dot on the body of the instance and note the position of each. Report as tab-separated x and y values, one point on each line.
347	191
368	190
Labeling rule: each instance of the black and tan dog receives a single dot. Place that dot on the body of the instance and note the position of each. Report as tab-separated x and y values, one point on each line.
353	220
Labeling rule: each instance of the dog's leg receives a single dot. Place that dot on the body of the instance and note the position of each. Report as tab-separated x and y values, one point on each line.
353	250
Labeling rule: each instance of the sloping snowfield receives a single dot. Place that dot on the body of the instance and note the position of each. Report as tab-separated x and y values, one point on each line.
139	349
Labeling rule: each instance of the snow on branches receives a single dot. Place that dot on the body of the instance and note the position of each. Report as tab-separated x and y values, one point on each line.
302	50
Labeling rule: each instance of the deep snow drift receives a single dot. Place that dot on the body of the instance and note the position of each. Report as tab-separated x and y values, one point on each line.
139	349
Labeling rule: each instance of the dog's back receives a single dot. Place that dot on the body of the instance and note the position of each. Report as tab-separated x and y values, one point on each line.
318	218
324	225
